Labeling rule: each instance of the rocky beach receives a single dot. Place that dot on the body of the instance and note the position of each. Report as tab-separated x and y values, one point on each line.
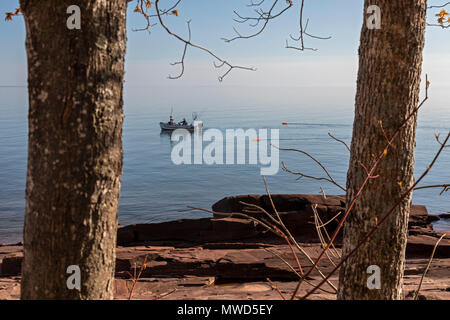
231	258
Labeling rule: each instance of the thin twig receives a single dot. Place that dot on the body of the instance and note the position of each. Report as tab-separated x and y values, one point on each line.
445	187
290	235
329	179
319	233
165	294
295	271
264	16
416	295
341	141
302	33
274	286
440	6
136	278
320	225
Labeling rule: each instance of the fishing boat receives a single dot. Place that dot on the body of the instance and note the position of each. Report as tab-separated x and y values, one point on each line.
171	125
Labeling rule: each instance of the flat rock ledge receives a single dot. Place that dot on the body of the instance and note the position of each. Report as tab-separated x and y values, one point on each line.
231	258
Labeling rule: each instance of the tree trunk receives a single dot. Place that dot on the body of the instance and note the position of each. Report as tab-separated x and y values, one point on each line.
75	80
388	87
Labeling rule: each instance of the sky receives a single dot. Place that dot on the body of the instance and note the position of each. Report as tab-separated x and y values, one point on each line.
149	55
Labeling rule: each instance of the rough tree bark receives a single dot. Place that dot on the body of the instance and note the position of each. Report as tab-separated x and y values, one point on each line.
388	85
75	82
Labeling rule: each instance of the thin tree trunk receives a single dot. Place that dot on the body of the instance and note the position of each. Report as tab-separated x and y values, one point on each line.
390	61
75	80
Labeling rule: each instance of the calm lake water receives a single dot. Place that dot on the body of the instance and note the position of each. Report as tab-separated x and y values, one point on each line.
154	189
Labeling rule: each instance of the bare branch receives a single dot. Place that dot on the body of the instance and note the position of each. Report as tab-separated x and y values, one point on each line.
255	4
355	198
181	62
189	43
441	6
262	16
319	232
375	228
143	7
291	237
438	25
166	11
279	256
302	32
437	136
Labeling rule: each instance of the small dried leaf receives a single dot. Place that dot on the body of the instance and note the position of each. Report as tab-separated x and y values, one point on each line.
442	14
9	16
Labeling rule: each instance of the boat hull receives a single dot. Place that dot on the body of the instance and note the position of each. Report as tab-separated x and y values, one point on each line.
171	127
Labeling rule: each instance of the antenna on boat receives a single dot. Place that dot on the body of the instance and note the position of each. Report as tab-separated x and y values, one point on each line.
171	112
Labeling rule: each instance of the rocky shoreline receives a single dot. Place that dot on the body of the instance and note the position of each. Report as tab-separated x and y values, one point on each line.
230	258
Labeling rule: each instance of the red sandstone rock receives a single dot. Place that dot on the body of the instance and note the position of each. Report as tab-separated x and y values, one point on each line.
188	230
